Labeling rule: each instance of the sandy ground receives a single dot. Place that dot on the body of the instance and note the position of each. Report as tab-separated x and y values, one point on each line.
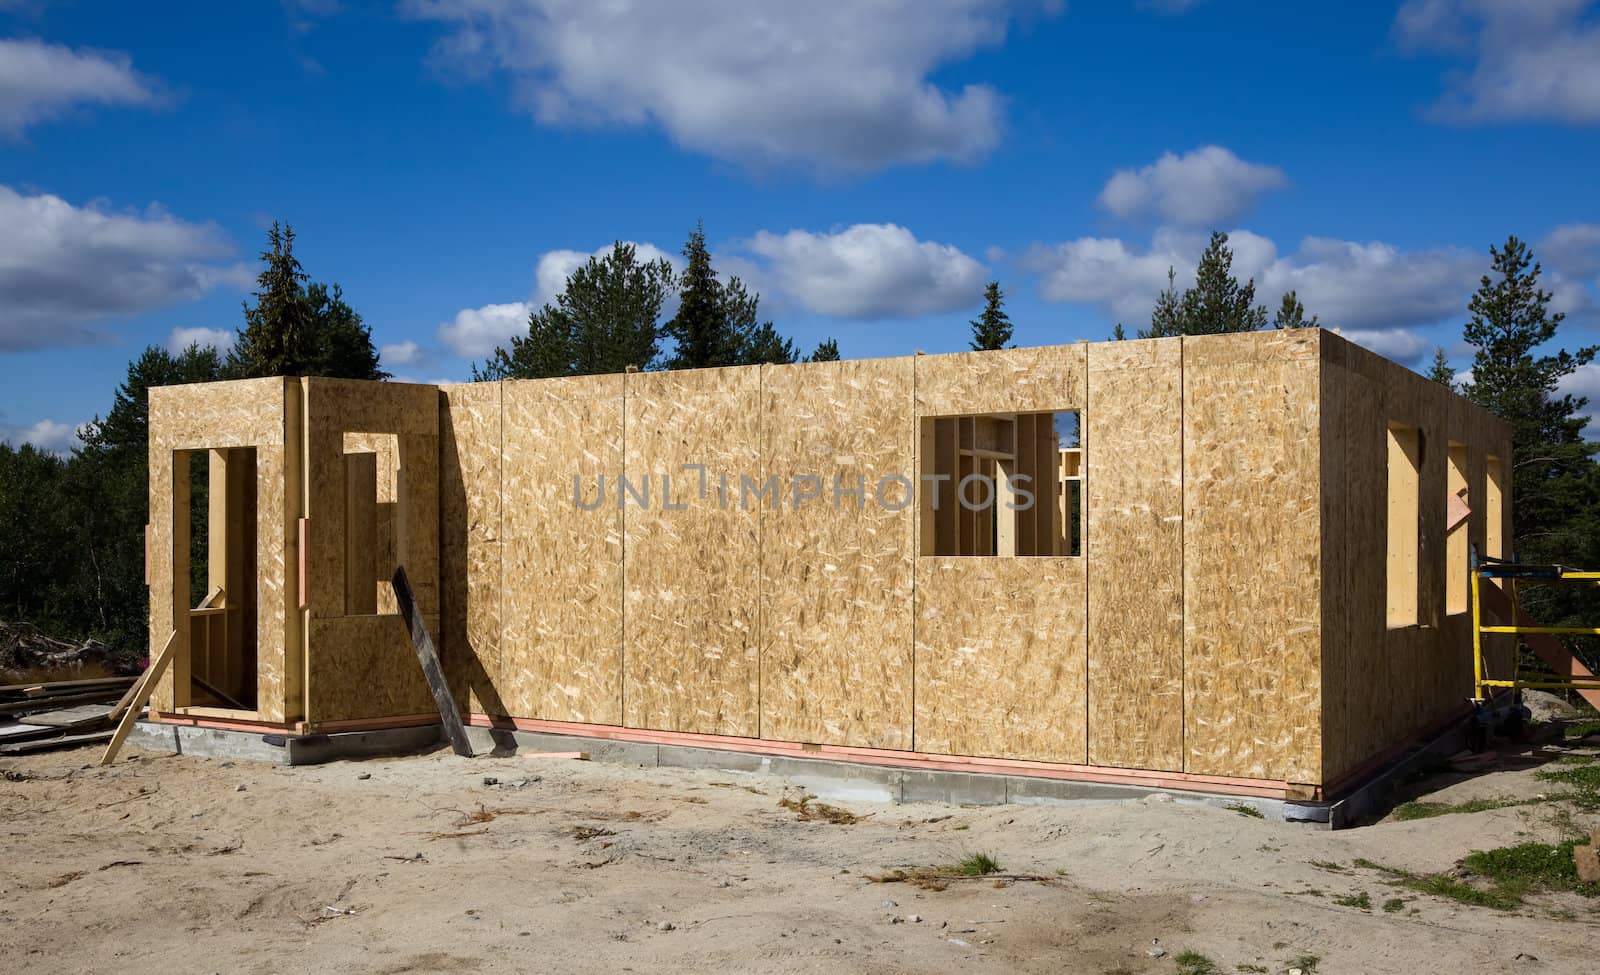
173	864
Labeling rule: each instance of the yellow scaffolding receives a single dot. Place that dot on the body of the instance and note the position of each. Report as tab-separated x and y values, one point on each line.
1513	573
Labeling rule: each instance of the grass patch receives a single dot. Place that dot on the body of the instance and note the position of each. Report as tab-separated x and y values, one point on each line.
1328	865
1307	963
1408	811
1581	729
977	865
1509	874
1194	963
1249	969
1245	810
1576	760
1360	900
1393	905
1581	776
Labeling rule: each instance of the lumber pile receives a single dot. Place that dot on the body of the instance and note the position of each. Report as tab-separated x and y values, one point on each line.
60	714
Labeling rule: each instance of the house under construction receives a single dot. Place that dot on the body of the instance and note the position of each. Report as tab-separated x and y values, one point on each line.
1231	563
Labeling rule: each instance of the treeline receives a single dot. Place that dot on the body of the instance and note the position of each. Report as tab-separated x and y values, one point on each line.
74	526
608	319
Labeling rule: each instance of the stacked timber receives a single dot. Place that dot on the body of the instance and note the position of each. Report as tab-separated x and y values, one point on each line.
60	714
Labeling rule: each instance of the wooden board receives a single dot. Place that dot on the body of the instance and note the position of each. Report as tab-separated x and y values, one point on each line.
561	656
837	578
1252	564
1133	521
691	577
432	671
470	488
1000	658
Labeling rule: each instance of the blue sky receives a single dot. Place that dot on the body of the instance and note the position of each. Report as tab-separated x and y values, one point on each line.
867	166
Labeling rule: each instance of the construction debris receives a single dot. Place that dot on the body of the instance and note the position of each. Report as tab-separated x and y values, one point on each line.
25	650
39	716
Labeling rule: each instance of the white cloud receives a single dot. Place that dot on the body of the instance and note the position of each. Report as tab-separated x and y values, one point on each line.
64	267
41	81
1585	382
407	353
220	339
1573	250
1363	287
477	332
1206	187
57	438
1528	60
838	86
870	271
1400	344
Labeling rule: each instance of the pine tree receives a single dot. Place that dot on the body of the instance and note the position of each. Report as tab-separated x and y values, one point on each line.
827	351
765	345
1217	303
1442	372
1118	334
1510	324
1292	314
992	329
342	342
605	320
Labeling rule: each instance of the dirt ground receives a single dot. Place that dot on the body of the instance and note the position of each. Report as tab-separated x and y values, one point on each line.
174	864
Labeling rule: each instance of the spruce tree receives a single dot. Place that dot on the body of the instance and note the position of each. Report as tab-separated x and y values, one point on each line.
765	345
992	329
701	330
1441	371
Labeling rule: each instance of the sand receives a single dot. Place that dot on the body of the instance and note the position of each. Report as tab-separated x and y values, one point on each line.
172	864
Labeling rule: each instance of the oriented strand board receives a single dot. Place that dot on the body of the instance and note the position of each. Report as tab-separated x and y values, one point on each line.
274	595
561	656
1000	650
691	576
1252	566
1045	379
470	474
360	406
837	571
1134	541
240	413
366	667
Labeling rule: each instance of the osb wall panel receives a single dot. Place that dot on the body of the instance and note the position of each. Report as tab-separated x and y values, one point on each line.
244	413
1000	666
1252	584
691	577
999	643
1134	540
837	574
365	667
347	658
1382	684
1037	380
274	595
470	483
561	656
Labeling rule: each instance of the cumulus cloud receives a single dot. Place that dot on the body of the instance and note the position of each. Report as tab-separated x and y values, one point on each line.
1585	382
50	435
1205	187
1573	250
839	86
220	339
65	267
1399	344
407	353
41	81
476	332
1369	288
869	271
1526	60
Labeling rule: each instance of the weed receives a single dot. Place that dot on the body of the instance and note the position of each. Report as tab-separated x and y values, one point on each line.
1582	729
1532	867
806	811
1360	900
1307	963
1576	760
1427	810
1394	904
1194	963
1585	777
1245	810
977	865
1249	969
1328	865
